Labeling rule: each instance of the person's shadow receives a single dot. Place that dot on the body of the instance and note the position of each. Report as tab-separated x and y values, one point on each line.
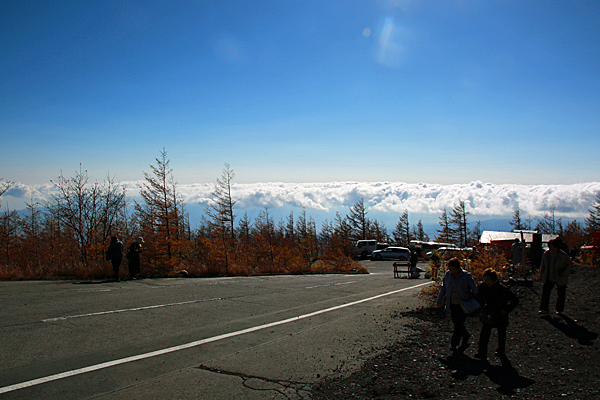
463	366
505	376
572	329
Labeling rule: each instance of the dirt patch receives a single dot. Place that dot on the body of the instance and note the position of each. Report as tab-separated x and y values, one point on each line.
549	357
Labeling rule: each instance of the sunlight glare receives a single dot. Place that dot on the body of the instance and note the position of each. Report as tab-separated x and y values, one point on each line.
390	51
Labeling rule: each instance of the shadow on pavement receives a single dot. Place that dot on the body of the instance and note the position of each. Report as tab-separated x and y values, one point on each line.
573	330
464	366
505	376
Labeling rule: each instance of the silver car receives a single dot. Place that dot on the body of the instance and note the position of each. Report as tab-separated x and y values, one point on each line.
391	253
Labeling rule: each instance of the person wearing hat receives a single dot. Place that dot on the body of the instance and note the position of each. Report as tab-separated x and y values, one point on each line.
134	257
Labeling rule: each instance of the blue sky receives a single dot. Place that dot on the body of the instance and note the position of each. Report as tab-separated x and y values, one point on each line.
302	91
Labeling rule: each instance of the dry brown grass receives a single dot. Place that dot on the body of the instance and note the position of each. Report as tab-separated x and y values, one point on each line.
343	264
589	260
91	271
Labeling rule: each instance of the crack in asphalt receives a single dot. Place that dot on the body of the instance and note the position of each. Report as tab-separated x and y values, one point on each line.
287	388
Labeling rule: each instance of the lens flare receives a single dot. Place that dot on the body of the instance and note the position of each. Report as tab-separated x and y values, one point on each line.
390	51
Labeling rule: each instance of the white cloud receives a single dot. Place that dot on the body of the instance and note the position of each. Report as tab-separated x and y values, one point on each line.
19	194
482	199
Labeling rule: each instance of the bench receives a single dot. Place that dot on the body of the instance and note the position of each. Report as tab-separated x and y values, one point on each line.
402	267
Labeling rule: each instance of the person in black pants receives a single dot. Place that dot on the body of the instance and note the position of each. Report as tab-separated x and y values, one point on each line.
134	257
458	286
497	301
115	255
554	271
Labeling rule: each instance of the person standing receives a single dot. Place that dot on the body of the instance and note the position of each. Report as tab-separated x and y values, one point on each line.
497	301
458	286
516	255
115	255
414	259
134	257
554	271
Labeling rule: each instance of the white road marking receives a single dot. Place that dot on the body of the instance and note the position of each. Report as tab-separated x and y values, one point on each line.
330	284
138	357
127	310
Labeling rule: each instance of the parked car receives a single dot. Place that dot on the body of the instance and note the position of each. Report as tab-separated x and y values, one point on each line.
364	248
391	253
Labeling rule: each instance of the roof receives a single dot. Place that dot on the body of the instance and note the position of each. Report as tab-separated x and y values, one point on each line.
489	236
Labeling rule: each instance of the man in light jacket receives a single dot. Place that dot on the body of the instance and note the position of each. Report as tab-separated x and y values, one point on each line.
555	269
458	286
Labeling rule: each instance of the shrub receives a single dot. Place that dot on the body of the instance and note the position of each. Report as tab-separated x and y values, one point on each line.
485	258
344	264
436	272
590	259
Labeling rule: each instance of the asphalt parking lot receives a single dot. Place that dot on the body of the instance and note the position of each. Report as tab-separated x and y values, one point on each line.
194	338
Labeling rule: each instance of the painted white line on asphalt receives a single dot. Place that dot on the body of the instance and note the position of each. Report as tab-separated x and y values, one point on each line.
138	357
330	284
127	310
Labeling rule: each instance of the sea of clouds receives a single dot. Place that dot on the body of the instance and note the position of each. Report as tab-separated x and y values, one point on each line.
484	200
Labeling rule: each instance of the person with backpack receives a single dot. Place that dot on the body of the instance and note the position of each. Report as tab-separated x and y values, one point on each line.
133	255
114	254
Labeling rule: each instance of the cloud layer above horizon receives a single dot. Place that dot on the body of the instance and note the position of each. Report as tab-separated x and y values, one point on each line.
481	199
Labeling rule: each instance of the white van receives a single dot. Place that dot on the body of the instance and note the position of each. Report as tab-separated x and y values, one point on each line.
364	248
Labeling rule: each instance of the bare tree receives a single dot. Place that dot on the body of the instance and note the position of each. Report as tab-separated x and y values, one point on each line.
445	233
402	232
31	230
264	234
89	211
9	223
475	234
358	221
5	186
517	222
592	222
458	218
547	223
420	232
244	236
220	210
161	215
378	231
290	232
574	235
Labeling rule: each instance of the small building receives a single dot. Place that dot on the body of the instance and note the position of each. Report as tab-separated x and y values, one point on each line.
502	242
487	237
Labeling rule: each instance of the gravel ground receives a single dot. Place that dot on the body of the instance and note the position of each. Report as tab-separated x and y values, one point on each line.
549	357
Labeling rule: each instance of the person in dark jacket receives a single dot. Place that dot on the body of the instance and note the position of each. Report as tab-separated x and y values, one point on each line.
497	301
134	257
115	255
458	286
414	259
